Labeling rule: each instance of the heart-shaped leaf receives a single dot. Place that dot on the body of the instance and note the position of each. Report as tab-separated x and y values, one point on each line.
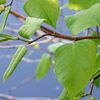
75	64
84	19
46	9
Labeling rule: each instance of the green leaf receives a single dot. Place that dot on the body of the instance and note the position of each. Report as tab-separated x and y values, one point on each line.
43	66
97	41
2	1
98	60
6	13
91	98
30	27
46	9
21	51
96	73
63	95
97	82
81	4
3	39
72	68
84	19
53	47
7	36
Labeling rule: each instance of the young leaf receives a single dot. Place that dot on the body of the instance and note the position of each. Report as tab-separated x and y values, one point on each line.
43	66
21	51
2	1
7	36
30	27
81	4
46	9
3	39
72	68
7	9
2	7
84	19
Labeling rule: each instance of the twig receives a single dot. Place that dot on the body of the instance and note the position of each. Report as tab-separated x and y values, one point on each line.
38	38
91	90
9	4
21	39
97	76
91	87
17	15
57	34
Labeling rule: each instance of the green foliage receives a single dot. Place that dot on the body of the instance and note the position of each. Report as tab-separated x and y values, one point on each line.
72	66
63	95
97	83
98	60
97	41
75	63
91	98
84	19
7	10
2	1
81	4
43	66
17	57
6	37
48	9
30	27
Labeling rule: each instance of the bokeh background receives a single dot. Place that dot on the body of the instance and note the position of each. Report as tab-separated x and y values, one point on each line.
23	83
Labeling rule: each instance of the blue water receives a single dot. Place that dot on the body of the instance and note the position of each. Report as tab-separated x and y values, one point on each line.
48	86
